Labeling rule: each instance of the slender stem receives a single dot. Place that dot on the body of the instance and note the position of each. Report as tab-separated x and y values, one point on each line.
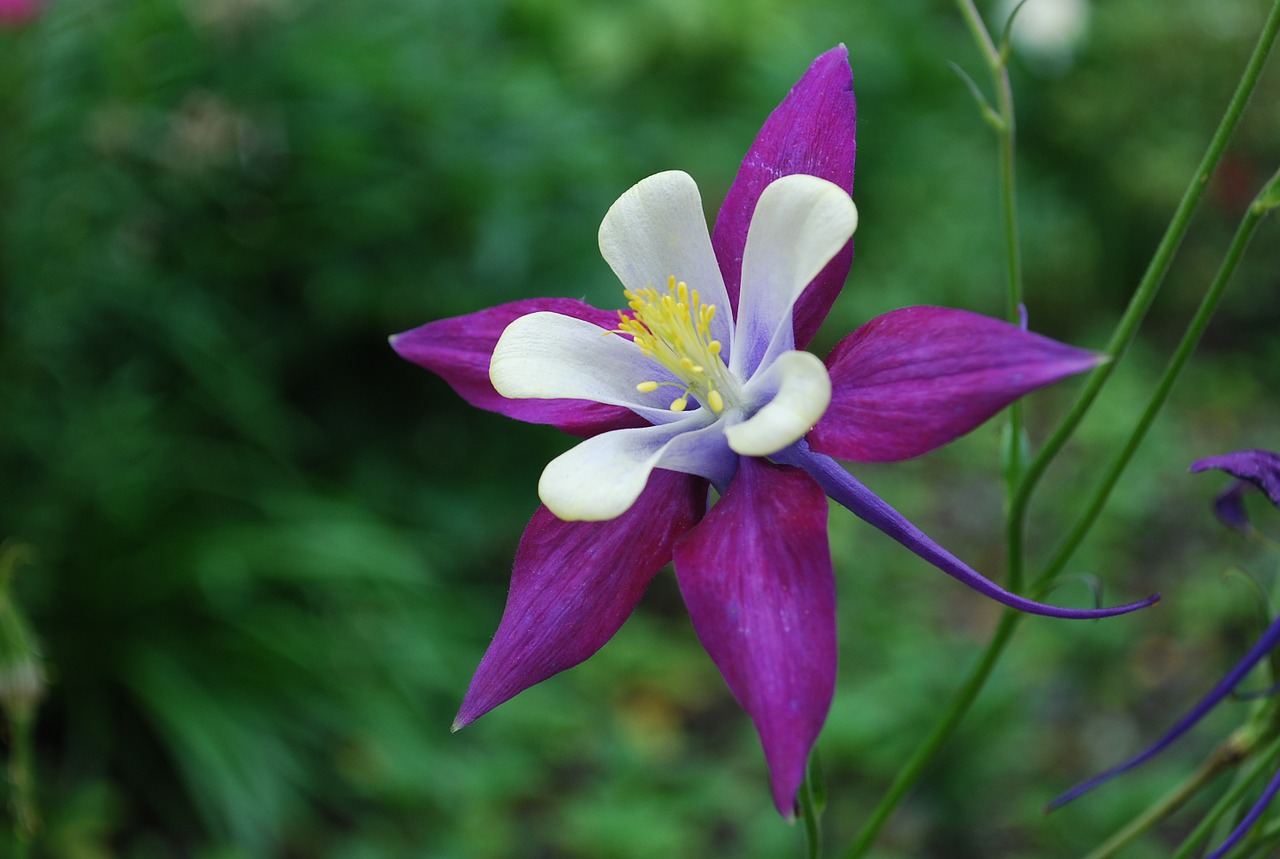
26	819
1127	328
1006	128
1228	755
910	772
914	767
812	799
1244	233
1265	761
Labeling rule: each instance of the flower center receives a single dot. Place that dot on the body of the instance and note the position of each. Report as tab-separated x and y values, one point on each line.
673	327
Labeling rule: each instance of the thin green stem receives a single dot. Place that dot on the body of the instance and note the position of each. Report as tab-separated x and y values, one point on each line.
1126	329
1225	757
1190	339
1005	125
910	772
1154	276
26	818
813	802
1265	761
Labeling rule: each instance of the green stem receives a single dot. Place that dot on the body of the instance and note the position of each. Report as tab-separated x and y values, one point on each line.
26	819
1267	760
915	765
1127	328
1204	314
812	803
910	772
1226	756
1005	125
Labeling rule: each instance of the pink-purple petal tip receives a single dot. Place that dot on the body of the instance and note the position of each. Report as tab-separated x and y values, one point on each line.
914	379
573	586
812	132
756	577
459	349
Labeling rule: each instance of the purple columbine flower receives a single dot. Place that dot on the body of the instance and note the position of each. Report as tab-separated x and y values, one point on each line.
1253	468
14	13
703	382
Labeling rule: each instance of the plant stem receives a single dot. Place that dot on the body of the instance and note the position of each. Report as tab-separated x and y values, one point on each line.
1265	760
1005	126
1226	756
1127	328
911	771
1190	339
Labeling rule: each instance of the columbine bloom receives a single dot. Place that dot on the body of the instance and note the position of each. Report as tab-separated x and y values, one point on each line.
16	12
1253	468
702	382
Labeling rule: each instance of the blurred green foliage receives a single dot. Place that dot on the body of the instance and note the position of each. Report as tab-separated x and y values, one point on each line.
267	554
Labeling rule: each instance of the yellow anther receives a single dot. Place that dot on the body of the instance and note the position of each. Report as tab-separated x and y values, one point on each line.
672	327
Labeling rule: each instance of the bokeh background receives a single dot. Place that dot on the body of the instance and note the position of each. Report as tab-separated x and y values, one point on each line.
265	554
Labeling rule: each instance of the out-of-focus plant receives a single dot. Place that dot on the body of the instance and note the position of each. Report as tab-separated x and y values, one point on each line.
258	581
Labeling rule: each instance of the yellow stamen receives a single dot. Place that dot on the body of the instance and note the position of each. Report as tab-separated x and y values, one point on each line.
673	328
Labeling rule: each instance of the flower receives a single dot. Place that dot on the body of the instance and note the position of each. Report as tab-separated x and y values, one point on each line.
701	383
1254	469
17	12
1261	469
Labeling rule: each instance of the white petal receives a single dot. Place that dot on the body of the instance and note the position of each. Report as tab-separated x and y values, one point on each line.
658	229
798	391
602	476
547	355
799	224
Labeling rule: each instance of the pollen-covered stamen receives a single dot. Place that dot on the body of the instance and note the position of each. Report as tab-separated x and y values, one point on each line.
673	327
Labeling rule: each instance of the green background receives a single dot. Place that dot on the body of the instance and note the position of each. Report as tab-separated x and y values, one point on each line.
266	554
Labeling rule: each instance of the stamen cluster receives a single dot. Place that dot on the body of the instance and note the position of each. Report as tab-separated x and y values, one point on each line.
673	327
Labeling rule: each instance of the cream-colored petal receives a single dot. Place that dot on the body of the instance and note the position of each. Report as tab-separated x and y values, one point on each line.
797	391
657	230
601	477
799	224
547	355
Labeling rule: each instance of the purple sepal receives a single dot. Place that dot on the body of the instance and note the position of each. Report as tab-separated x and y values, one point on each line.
914	379
870	508
812	132
573	585
756	577
1224	687
458	350
1257	469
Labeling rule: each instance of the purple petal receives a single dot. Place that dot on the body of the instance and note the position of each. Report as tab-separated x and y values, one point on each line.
574	584
811	132
1224	687
916	378
1250	819
756	576
868	507
459	349
1229	507
1257	468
